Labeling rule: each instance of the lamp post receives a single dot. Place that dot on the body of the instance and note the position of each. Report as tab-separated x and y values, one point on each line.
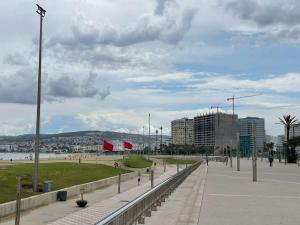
160	149
254	153
149	147
156	133
41	12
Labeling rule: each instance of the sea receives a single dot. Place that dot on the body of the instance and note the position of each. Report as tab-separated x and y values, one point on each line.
28	156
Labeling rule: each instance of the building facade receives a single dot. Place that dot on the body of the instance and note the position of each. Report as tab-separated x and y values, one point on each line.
246	132
294	131
216	131
182	131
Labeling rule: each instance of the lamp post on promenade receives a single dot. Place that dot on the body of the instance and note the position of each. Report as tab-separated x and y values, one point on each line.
254	153
41	12
149	145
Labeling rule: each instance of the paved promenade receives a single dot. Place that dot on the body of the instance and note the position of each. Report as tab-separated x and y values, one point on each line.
100	203
231	198
212	195
184	205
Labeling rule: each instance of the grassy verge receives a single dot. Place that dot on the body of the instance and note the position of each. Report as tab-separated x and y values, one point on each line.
136	162
180	161
62	174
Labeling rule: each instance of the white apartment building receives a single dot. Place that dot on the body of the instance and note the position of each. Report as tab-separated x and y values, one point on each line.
294	131
182	131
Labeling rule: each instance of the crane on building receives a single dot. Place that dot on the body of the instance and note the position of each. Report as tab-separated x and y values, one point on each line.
234	98
238	155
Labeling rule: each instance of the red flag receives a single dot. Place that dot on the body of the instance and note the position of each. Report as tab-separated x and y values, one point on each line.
107	146
127	145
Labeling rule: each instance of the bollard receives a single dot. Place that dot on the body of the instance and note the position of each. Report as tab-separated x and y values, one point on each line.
238	155
119	181
152	178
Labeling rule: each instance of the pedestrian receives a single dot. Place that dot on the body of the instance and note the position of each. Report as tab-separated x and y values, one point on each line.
139	180
206	159
271	159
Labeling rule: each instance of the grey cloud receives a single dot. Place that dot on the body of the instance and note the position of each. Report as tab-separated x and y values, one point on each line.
168	29
267	13
285	35
161	6
21	88
103	94
15	59
67	87
279	21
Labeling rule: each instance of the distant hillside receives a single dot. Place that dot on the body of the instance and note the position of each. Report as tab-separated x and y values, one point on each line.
100	135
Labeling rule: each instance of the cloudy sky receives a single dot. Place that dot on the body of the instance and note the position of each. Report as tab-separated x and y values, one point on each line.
108	63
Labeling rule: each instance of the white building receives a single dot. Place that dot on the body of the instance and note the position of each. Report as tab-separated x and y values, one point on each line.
182	131
294	131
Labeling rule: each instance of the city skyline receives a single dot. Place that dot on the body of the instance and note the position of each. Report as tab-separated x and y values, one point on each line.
106	68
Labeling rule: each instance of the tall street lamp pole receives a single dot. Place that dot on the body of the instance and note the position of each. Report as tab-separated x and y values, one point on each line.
160	139
156	133
42	13
149	139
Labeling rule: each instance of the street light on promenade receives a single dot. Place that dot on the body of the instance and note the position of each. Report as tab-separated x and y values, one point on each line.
156	138
42	13
254	153
149	146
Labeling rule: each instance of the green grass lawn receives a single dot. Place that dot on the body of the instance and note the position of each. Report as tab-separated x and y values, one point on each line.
180	161
62	174
136	162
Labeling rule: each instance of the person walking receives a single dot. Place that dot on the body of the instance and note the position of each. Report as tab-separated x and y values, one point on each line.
271	159
206	159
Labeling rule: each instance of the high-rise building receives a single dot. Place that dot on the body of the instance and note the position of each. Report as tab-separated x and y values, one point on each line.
182	131
216	131
246	132
280	144
294	131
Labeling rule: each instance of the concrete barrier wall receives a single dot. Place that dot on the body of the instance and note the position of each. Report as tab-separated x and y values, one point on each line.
9	208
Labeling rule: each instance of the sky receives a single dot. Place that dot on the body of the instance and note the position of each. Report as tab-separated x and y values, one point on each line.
107	64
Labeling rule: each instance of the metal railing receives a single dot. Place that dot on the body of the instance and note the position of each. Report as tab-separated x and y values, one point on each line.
141	207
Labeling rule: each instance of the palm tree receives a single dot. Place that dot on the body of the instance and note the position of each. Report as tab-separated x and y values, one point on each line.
289	121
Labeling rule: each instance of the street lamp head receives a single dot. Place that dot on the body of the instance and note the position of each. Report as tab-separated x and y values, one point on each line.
40	10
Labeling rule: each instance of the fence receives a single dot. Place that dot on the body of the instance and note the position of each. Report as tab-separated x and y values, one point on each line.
141	207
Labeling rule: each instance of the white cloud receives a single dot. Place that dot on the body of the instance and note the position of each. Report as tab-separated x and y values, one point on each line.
176	76
282	83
